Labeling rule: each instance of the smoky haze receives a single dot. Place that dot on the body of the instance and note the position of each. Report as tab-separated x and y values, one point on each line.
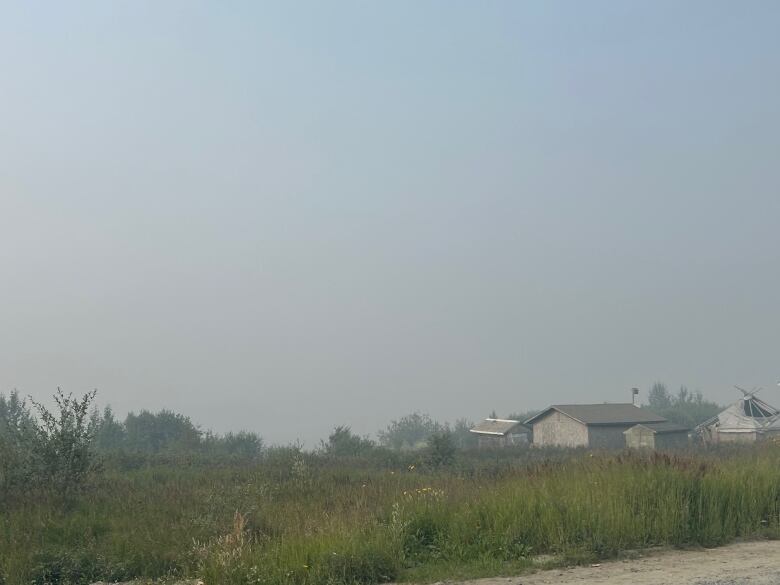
283	217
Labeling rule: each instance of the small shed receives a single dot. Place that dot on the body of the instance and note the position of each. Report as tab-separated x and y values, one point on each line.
499	432
656	435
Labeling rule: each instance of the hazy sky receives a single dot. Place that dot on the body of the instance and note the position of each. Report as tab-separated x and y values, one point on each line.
286	216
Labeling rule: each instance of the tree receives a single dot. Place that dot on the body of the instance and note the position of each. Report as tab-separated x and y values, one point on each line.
243	445
441	449
410	431
165	431
17	434
690	408
462	435
63	442
343	442
686	408
109	433
658	398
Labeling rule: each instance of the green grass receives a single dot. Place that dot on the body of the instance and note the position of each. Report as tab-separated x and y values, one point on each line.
305	520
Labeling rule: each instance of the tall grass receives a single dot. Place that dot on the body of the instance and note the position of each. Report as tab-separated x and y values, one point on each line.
304	520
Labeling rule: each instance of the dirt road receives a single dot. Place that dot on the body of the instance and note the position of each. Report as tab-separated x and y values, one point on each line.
751	563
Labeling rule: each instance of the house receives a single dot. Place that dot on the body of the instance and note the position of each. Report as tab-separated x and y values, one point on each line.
598	426
658	435
498	432
748	420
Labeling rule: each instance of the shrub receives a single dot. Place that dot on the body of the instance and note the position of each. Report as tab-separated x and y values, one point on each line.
441	449
164	431
409	431
17	433
110	434
424	536
242	446
342	442
63	444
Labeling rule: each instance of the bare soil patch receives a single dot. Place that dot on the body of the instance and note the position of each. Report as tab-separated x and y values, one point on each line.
754	563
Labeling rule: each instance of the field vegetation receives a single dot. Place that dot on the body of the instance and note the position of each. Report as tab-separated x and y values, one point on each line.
228	510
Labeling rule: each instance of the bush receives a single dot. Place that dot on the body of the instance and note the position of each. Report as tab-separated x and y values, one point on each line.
241	446
164	431
410	431
110	434
342	442
423	537
63	443
17	434
441	449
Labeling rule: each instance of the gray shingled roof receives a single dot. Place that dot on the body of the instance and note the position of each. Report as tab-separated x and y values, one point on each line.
661	428
499	427
603	414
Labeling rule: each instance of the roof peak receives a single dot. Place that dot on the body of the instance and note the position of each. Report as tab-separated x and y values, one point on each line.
616	413
600	404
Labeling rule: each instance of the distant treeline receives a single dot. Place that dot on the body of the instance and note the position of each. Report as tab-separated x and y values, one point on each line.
685	408
166	432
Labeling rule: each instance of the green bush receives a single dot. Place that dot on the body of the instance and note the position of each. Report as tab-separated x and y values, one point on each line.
17	437
63	443
342	442
441	449
424	536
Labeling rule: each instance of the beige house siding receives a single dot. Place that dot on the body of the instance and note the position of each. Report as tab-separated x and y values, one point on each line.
558	429
639	437
737	437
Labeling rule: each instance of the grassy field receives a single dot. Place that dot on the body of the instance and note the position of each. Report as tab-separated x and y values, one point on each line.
304	519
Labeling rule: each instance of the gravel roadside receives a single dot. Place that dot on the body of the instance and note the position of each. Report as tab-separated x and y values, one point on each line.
747	563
